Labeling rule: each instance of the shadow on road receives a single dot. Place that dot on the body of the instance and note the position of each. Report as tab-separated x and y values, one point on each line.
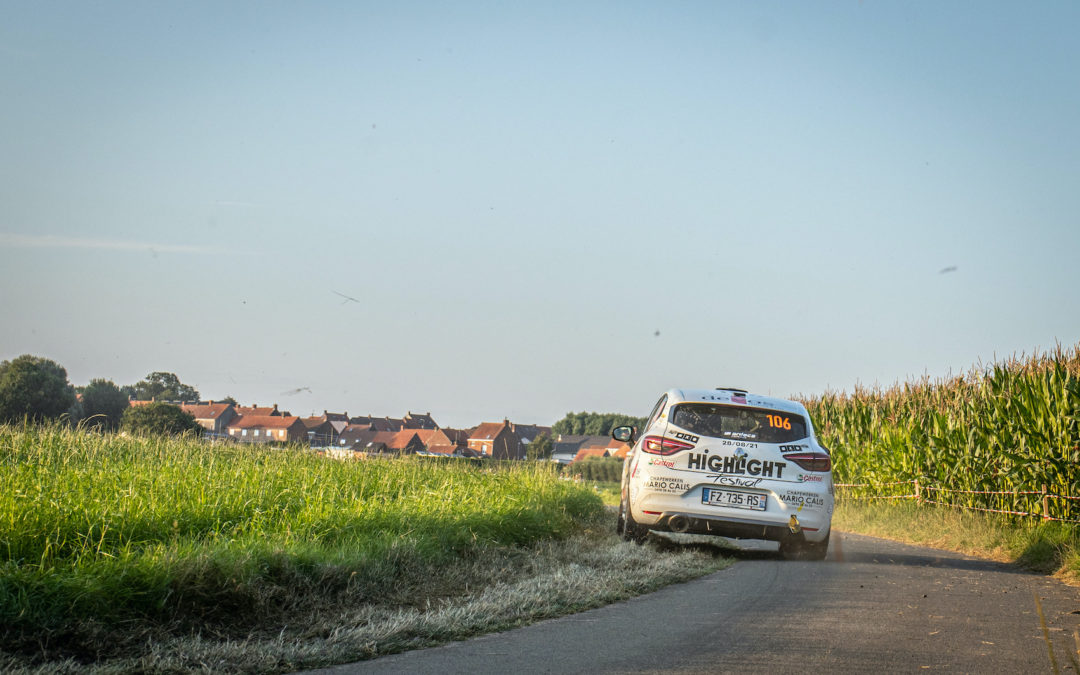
755	550
715	546
945	562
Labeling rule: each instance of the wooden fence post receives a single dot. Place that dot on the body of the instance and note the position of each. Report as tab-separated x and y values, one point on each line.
1045	504
918	496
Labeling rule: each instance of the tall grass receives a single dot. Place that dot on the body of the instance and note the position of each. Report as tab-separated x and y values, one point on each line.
98	532
1014	425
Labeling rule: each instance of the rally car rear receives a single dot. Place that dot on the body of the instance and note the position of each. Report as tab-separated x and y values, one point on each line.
733	464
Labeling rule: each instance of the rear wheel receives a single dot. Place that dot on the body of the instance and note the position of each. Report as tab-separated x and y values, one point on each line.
628	527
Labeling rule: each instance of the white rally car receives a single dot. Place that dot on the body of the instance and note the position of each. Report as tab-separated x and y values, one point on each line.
728	463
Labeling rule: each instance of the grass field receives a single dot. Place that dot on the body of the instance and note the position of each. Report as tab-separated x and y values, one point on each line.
163	554
100	531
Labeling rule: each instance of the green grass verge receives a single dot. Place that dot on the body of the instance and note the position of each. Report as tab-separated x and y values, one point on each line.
165	554
1043	546
494	588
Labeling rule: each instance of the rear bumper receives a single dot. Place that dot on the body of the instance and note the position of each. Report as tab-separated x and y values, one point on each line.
684	513
696	523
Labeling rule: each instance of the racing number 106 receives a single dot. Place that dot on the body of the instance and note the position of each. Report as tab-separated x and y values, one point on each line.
779	422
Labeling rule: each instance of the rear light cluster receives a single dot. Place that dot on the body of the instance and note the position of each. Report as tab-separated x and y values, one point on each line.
811	461
658	445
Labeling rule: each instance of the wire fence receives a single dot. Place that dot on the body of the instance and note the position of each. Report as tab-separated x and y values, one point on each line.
1023	503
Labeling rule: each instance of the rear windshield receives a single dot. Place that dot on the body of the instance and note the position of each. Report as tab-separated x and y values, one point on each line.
739	423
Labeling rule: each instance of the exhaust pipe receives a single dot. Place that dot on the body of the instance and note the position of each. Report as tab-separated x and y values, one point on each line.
679	524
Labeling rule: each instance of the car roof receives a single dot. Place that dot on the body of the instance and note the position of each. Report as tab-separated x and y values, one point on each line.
734	397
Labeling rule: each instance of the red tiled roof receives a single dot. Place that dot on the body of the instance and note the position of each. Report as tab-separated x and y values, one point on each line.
209	411
442	449
384	437
621	452
486	431
431	436
264	422
255	410
401	439
589	452
313	422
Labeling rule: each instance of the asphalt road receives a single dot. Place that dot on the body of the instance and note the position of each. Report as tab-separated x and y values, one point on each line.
872	605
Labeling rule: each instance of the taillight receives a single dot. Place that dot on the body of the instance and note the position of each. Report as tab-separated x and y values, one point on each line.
658	445
811	461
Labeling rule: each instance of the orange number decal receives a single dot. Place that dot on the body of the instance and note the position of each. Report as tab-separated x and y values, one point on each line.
779	422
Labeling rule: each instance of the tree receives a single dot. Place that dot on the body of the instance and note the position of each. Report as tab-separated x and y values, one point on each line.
103	404
159	418
540	448
34	387
594	424
165	387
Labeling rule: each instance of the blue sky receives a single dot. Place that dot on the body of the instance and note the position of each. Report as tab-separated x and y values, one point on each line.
521	195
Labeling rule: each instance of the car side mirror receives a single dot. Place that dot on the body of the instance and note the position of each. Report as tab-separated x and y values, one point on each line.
624	434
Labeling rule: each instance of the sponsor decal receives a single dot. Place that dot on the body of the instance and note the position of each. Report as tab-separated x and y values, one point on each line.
666	485
738	398
689	438
740	434
659	461
735	465
734	481
810	478
803	499
794	448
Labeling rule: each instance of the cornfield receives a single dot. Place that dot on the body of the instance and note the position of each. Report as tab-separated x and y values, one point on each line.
1013	426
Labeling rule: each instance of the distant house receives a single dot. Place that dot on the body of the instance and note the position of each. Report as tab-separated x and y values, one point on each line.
529	432
323	430
496	440
586	453
618	449
440	440
406	442
258	411
378	423
268	429
336	417
214	417
320	431
565	447
411	421
459	437
362	438
443	450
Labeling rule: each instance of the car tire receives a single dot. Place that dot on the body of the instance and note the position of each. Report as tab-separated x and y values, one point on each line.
630	530
796	547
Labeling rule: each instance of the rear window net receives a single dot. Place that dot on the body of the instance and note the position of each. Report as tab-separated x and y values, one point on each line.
739	422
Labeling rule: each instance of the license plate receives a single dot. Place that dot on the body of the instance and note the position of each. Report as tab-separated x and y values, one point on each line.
733	499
